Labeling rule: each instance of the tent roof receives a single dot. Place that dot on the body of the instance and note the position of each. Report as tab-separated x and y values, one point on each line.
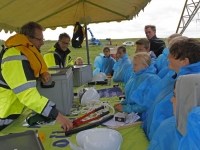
62	13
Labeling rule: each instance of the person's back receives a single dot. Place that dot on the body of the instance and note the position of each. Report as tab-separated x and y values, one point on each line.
59	54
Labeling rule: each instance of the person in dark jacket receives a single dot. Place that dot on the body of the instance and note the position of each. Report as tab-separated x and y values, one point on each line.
156	45
59	54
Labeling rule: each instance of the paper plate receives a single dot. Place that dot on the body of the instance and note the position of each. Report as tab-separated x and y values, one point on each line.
99	139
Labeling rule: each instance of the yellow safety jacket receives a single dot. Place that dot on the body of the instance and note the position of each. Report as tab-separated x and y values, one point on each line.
18	81
53	58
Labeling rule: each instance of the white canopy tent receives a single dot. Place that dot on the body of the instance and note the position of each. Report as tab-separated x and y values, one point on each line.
62	13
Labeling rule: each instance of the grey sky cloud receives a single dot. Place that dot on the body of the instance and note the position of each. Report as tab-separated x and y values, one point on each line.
165	14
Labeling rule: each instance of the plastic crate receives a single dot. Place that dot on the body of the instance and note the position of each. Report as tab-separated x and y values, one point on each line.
82	74
59	90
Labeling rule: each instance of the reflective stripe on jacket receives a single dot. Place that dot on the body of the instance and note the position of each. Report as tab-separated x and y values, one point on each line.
50	61
18	75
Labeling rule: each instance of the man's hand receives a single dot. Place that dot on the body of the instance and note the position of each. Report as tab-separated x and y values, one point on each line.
118	107
45	77
65	122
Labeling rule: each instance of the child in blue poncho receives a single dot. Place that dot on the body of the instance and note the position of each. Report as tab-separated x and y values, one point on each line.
104	63
138	85
142	45
162	60
181	131
184	59
122	66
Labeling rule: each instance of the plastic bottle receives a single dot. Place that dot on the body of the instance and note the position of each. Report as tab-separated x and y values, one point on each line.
109	80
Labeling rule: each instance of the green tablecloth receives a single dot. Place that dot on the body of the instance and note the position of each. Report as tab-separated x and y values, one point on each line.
133	137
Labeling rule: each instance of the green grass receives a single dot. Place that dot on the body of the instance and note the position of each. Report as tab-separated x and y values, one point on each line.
93	50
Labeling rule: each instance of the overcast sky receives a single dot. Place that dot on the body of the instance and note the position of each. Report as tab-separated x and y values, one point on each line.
165	14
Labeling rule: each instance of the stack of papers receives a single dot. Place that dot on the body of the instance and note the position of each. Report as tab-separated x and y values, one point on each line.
130	118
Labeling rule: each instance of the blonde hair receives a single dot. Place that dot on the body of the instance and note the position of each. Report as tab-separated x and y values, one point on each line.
144	58
173	36
176	39
76	61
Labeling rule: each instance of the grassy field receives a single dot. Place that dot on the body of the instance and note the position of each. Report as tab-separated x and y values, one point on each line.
93	50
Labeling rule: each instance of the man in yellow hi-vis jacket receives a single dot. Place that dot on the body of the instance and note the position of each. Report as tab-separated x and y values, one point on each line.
58	55
21	65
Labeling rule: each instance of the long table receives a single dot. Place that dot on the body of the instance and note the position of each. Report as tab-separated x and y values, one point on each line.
54	139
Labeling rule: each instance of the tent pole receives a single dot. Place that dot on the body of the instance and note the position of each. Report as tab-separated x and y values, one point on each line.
87	47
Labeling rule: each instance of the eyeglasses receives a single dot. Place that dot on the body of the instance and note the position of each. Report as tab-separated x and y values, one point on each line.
40	40
64	43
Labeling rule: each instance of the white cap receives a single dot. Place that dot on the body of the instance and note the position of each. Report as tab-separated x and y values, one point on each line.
88	95
99	77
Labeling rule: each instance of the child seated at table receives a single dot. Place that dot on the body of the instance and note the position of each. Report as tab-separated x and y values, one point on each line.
104	63
181	131
138	85
79	61
122	66
162	61
143	45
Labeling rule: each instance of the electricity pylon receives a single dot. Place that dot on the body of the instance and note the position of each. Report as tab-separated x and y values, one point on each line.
189	11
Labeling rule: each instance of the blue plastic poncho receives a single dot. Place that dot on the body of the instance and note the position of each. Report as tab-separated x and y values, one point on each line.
166	137
161	114
163	109
153	61
162	59
162	63
190	69
174	128
129	71
191	140
157	93
137	87
120	68
103	64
